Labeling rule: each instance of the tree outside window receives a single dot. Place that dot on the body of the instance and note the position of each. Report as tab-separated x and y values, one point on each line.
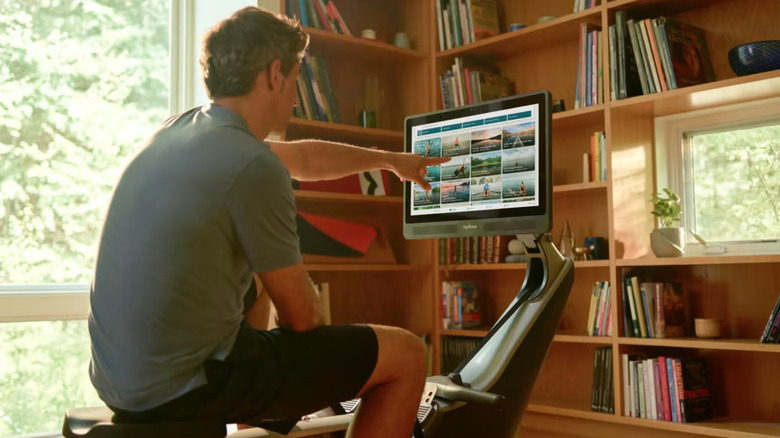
84	82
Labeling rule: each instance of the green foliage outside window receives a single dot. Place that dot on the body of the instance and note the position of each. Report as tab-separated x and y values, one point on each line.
83	83
737	184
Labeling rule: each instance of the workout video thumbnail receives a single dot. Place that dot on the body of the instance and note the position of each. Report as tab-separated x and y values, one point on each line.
456	168
523	134
488	163
486	188
518	160
428	148
430	197
456	145
519	186
455	192
486	140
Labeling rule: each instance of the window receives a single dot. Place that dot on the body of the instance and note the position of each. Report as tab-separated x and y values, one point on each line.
83	83
725	165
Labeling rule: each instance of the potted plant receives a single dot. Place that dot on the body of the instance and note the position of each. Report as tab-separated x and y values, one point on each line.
667	240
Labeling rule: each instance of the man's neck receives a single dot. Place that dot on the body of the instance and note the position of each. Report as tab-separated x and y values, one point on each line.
250	111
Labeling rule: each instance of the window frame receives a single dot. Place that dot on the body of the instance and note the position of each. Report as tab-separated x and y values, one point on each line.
673	155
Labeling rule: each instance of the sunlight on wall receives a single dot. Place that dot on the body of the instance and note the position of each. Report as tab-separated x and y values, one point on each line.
631	200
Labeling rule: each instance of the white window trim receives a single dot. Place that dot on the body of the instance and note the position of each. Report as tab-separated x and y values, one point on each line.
669	131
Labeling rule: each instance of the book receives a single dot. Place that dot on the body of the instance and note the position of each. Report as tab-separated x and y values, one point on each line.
675	311
484	18
695	400
770	323
688	52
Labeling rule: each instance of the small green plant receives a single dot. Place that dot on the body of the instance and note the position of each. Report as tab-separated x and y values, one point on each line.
666	207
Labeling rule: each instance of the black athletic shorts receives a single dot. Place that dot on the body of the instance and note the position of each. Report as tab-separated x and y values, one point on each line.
273	378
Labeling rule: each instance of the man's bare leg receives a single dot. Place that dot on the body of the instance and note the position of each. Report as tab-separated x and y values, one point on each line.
390	398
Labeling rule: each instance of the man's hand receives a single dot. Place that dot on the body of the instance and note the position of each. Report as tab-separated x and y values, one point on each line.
413	167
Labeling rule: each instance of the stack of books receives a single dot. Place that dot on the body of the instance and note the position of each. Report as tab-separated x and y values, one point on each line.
594	163
454	350
654	309
466	21
599	313
581	5
319	14
590	89
471	250
603	394
656	54
665	388
315	92
460	305
466	84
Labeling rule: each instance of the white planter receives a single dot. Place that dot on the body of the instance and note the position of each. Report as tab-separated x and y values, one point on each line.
668	242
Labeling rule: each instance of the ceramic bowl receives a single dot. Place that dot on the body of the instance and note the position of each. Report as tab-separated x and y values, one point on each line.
755	57
707	327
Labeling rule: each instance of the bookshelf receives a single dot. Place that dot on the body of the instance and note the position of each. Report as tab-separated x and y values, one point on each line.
740	290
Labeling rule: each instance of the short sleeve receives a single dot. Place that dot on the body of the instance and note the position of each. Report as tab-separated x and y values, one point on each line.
262	206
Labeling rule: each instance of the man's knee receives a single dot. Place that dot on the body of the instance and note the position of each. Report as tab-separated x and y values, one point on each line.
400	352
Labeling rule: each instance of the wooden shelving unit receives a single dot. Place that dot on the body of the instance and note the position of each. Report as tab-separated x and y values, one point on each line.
739	289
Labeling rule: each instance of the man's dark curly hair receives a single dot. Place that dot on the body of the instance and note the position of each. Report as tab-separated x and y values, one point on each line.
238	48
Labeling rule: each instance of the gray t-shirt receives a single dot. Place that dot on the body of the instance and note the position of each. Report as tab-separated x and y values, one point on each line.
201	207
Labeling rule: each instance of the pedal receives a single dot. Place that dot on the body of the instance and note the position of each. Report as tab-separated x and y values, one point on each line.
349	406
422	413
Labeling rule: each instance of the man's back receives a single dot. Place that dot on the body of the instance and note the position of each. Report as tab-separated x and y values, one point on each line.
173	262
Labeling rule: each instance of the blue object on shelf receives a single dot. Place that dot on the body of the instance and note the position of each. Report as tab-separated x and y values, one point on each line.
755	57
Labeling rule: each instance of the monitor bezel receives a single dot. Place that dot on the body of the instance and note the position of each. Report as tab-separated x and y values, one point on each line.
542	211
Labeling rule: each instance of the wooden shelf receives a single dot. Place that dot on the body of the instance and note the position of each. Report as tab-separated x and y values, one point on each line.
706	344
591	264
468	333
713	428
310	196
336	45
579	118
582	339
580	187
304	128
484	267
702	260
564	28
365	267
714	94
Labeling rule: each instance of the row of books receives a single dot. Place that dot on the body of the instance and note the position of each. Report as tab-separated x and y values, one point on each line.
594	163
454	350
463	22
771	333
315	92
581	5
665	388
656	54
319	14
603	395
471	250
466	84
599	314
653	309
590	88
460	305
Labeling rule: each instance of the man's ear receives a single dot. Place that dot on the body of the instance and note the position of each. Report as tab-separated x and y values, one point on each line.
275	75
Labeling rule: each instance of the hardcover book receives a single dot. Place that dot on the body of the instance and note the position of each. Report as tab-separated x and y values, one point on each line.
675	311
688	52
695	399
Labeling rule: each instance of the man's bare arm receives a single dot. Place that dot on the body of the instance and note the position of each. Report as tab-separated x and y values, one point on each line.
313	160
294	298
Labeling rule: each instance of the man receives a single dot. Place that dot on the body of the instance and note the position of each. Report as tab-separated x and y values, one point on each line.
205	204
